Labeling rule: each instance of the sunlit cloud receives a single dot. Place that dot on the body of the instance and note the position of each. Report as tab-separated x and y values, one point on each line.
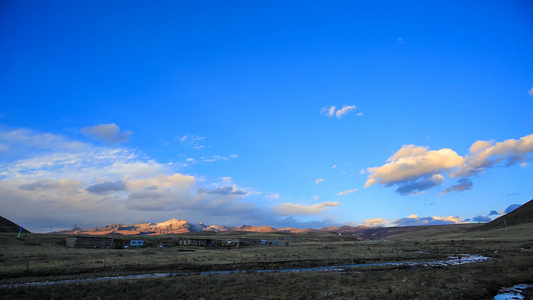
415	220
487	154
285	209
318	181
415	169
376	222
341	193
107	133
338	113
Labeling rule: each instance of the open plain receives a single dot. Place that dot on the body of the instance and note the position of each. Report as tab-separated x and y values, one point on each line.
44	257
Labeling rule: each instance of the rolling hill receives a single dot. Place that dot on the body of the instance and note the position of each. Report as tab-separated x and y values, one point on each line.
521	215
8	226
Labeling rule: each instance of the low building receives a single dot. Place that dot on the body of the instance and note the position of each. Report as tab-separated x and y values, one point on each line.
194	242
89	242
136	243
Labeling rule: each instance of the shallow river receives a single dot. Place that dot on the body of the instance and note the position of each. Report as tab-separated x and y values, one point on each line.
513	293
450	261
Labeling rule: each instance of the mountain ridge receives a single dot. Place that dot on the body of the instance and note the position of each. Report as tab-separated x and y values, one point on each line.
176	226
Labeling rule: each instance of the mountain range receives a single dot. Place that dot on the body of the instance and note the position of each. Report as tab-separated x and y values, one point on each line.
521	215
174	226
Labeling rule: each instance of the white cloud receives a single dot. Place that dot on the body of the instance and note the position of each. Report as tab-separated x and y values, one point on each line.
332	111
344	110
376	222
530	92
318	181
107	133
285	209
414	168
487	154
346	192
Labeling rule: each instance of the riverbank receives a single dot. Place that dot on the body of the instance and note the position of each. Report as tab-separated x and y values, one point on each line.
360	270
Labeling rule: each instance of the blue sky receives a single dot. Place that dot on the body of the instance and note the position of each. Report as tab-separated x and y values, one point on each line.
281	113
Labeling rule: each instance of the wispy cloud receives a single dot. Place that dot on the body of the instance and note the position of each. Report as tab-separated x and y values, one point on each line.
272	196
318	181
285	209
107	133
346	192
332	111
217	158
463	184
530	92
191	140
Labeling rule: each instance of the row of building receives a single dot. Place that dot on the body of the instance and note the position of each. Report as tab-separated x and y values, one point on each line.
113	243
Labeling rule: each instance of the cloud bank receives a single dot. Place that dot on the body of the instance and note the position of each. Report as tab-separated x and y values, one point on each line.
48	180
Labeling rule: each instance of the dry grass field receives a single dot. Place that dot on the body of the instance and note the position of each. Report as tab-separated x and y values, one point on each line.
40	257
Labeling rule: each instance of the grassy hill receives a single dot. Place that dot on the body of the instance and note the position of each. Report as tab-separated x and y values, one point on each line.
8	226
519	216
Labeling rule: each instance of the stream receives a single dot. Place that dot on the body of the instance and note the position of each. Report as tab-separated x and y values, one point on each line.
514	292
450	261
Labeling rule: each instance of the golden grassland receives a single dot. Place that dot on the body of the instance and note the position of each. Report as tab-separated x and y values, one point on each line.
39	257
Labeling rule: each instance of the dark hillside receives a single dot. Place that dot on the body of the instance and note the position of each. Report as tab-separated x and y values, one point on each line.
521	215
8	226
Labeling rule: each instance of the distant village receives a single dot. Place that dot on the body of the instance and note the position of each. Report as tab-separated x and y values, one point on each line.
185	243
